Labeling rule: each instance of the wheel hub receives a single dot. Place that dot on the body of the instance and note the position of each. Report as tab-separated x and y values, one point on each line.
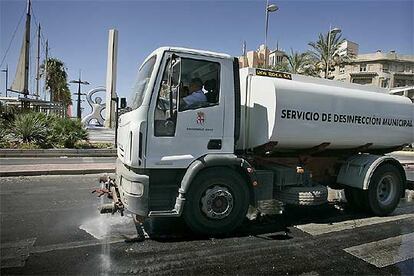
217	202
386	189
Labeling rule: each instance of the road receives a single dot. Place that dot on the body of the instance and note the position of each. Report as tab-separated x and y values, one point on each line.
50	225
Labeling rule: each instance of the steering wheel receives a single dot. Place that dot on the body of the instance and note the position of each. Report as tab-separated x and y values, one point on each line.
162	104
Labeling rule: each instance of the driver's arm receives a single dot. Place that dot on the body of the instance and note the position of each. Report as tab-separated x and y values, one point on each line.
182	104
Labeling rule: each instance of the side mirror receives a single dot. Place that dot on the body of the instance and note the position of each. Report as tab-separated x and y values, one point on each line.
123	103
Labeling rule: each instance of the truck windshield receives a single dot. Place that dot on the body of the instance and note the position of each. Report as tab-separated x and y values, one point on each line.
141	83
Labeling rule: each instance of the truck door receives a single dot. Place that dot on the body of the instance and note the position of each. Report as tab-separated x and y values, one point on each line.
187	112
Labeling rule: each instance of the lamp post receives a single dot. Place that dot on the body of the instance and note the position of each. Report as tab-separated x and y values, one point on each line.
79	82
331	31
7	76
269	8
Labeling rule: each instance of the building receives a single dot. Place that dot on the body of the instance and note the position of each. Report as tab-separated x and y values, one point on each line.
386	70
251	59
256	58
276	57
348	48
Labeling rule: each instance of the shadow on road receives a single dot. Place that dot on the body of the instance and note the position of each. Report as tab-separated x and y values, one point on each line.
275	227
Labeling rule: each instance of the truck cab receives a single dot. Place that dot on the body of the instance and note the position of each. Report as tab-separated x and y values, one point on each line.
164	125
163	134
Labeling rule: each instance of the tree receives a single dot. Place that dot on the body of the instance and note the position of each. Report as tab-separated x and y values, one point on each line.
282	66
57	81
322	55
297	63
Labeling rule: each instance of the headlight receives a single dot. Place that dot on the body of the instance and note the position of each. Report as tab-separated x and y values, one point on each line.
137	188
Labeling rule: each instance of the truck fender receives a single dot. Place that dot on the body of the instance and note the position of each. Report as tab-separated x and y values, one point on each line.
210	160
358	169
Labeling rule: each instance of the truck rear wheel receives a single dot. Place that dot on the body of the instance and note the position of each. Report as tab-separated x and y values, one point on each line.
216	202
384	190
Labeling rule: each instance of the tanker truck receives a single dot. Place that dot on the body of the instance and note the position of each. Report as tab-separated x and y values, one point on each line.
255	138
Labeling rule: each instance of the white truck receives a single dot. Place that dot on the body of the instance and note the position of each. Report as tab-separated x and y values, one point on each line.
261	138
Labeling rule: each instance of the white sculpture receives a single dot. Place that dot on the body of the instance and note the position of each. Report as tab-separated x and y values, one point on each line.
97	107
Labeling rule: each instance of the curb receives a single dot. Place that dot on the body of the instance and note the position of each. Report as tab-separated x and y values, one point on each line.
58	152
56	172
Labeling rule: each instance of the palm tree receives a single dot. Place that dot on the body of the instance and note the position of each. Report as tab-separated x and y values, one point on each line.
320	52
297	63
281	67
57	81
301	63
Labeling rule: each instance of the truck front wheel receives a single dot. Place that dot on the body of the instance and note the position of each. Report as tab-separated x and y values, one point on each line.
216	202
385	190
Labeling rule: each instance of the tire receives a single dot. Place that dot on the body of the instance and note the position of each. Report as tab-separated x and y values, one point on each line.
357	199
305	196
216	202
385	189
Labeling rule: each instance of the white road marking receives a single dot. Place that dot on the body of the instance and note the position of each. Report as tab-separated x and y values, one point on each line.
109	226
316	229
385	252
106	230
72	245
15	254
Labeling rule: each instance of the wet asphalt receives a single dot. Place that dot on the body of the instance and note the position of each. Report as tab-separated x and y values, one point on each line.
51	225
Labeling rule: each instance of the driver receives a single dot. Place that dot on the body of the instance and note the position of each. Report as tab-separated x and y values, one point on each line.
196	94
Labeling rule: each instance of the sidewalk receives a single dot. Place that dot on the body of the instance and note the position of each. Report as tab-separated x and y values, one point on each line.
57	152
101	135
56	169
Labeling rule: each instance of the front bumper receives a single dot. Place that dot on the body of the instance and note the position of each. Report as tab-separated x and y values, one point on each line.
133	189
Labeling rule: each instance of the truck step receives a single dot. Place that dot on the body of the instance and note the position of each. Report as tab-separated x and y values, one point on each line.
170	213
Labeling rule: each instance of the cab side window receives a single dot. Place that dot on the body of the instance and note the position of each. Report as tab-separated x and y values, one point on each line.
199	84
165	117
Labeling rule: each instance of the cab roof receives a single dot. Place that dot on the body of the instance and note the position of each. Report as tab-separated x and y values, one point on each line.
188	51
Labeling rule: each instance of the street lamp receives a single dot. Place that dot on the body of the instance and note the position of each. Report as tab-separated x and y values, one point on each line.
79	82
7	76
269	8
331	31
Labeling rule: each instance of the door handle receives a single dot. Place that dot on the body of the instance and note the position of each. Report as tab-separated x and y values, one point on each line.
214	144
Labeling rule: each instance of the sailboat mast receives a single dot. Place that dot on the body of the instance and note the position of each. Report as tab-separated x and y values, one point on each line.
27	51
45	73
38	62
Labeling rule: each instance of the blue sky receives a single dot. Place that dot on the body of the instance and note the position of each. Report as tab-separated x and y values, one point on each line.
78	30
